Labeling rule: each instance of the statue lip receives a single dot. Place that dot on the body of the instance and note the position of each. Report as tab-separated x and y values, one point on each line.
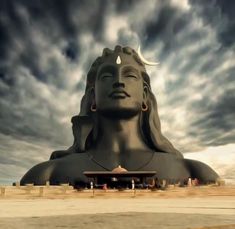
119	94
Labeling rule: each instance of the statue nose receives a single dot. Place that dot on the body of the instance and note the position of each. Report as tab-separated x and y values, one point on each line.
118	81
118	84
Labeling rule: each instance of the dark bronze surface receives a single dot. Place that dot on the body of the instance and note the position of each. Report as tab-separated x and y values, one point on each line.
118	124
121	174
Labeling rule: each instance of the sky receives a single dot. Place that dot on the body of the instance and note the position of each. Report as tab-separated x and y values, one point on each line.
47	48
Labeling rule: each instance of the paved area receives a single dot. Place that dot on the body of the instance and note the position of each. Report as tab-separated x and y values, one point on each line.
123	220
174	209
48	207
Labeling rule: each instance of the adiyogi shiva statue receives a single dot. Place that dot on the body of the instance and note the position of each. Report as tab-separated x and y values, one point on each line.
118	124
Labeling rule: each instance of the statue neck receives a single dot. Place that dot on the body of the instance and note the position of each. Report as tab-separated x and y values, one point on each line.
119	135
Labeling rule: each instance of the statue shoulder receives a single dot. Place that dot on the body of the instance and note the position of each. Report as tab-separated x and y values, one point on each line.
201	171
74	161
39	174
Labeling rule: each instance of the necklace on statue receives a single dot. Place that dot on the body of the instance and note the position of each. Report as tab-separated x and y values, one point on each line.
91	158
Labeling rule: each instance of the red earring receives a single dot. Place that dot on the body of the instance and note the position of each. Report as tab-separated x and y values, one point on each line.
93	107
144	107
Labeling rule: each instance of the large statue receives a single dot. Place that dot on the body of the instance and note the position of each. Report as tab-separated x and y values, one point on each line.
118	124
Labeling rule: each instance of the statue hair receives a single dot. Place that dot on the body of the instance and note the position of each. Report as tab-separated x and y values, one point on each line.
150	122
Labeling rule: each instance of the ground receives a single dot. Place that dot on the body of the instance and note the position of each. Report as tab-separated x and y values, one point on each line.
174	208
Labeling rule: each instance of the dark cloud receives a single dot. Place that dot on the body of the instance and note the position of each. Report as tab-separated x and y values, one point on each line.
72	51
158	25
59	23
220	14
215	122
4	41
37	120
47	48
167	21
125	6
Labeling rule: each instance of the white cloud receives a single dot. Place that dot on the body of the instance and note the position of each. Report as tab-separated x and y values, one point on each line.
182	4
113	25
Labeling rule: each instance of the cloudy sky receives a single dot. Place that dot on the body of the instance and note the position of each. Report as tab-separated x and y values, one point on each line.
47	47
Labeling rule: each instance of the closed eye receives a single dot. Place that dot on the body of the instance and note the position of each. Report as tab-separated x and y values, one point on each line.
106	75
131	75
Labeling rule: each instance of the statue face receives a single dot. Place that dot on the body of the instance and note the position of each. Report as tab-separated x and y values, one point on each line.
119	88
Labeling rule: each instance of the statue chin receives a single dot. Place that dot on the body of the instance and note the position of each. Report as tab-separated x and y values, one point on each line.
119	113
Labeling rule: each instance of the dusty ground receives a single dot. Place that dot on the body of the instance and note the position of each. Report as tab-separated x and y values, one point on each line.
121	220
67	192
175	208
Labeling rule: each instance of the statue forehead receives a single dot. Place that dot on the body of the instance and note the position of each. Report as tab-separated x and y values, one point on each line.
121	59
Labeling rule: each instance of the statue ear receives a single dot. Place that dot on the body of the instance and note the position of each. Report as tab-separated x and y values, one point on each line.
92	93
145	92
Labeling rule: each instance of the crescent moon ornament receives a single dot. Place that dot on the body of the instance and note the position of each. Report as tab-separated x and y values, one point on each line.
144	60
